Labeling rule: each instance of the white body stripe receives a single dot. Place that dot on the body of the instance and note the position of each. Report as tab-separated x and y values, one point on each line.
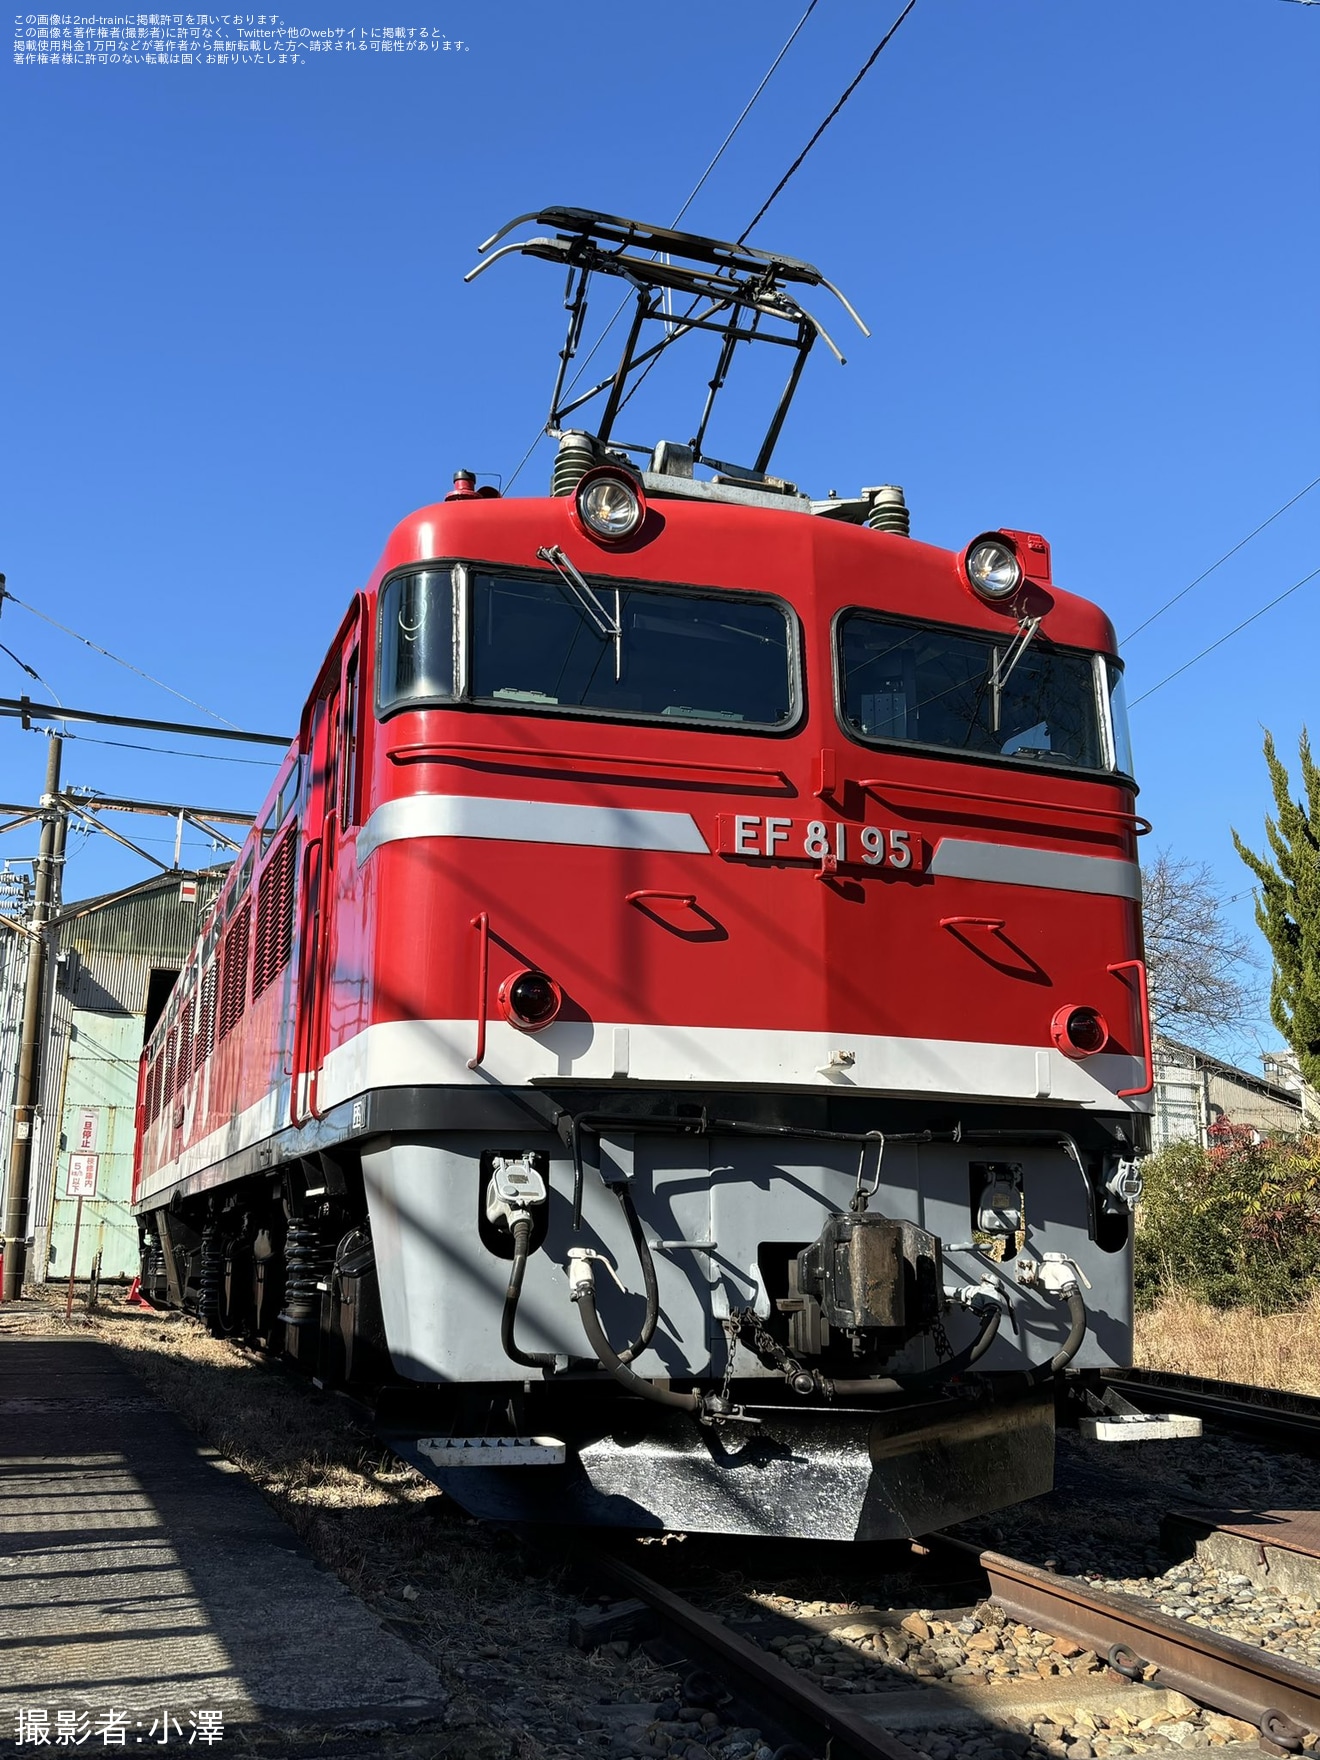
406	1053
424	1053
570	822
470	815
1013	864
268	1115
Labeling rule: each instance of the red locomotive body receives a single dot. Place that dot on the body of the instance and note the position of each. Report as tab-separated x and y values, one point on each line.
676	896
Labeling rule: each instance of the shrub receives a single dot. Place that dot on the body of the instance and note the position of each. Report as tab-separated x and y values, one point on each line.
1236	1225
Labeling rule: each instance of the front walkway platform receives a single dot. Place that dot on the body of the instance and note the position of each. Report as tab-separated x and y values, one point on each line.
144	1579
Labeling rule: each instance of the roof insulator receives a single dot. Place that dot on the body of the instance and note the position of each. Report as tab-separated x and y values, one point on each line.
889	511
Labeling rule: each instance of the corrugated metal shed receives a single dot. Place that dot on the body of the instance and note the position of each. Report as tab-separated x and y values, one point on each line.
102	953
13	970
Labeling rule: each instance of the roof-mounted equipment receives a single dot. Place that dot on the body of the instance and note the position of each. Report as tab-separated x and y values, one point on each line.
736	292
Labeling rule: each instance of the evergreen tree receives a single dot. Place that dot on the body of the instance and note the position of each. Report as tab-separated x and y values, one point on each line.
1288	906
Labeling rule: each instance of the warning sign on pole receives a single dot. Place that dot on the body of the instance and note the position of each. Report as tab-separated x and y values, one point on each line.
82	1176
88	1134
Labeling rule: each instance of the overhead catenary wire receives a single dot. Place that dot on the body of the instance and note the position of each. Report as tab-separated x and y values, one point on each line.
31	671
783	183
164	751
118	659
1228	636
692	196
1206	573
848	91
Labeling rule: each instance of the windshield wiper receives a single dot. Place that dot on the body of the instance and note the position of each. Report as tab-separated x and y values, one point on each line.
1001	670
609	627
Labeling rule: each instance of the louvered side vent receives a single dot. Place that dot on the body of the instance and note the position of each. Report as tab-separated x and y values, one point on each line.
183	1068
233	981
171	1046
206	1015
274	916
153	1089
287	860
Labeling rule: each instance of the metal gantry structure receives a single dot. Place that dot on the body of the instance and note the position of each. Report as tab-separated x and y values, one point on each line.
38	908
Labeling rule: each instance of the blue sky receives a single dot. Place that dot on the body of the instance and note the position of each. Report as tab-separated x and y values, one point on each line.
239	346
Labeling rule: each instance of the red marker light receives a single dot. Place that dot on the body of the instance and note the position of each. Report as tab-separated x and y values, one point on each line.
1079	1032
529	1001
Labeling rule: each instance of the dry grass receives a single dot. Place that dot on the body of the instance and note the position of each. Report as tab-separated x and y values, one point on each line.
1186	1337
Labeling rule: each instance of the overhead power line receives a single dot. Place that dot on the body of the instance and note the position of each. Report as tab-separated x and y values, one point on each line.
118	659
128	745
848	91
1236	630
23	666
778	190
746	112
1224	558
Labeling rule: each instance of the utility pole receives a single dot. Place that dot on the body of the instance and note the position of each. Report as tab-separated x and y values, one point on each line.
45	896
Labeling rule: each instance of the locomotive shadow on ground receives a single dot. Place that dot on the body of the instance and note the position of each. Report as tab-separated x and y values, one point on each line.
132	1551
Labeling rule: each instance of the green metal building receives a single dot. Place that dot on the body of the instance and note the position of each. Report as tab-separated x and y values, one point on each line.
111	963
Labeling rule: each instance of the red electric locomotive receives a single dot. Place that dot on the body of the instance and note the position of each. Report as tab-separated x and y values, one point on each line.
680	1010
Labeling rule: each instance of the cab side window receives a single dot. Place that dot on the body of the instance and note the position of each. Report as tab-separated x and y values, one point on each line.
348	746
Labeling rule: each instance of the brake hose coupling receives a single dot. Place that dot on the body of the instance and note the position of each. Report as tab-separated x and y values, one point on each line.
976	1295
1055	1273
581	1277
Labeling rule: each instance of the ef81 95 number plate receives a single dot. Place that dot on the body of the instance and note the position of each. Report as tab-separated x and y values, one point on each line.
823	841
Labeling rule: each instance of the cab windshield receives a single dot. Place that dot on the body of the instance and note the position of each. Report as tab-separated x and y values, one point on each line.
537	643
984	695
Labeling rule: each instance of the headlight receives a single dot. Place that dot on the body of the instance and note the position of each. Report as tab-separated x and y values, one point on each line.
529	1001
609	505
993	568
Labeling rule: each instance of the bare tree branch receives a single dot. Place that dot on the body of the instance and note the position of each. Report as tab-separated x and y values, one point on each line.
1199	965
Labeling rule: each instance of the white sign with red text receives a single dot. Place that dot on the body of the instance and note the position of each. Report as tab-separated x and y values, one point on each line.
83	1170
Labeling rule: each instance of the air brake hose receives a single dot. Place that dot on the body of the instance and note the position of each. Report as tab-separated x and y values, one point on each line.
1072	1344
585	1298
652	1288
925	1378
522	1231
522	1234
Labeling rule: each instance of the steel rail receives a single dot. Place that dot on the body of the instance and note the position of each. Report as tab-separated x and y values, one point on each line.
778	1689
1282	1698
1290	1419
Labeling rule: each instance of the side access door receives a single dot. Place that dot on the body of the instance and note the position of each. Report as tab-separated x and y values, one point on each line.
329	745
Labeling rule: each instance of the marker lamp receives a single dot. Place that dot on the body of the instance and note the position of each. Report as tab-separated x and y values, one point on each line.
529	1001
1079	1032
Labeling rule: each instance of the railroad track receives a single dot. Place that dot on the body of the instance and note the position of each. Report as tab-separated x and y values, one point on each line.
1290	1420
1147	1652
1280	1697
